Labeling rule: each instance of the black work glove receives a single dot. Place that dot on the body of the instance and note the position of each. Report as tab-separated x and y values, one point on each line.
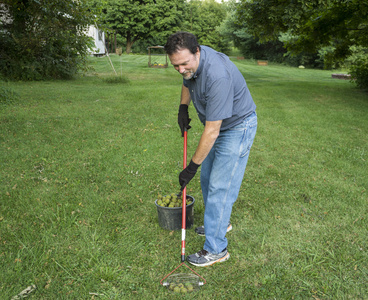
183	118
187	174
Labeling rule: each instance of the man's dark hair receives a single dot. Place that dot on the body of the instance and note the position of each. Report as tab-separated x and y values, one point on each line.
181	40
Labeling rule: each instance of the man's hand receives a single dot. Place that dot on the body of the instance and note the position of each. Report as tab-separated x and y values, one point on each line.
187	174
183	118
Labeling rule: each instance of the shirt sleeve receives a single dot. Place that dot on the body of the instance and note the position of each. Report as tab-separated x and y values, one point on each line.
220	98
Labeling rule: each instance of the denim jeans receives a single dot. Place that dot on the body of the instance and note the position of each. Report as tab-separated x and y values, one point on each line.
221	176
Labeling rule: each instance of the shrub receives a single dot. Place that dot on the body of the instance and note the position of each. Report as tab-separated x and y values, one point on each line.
359	73
44	39
358	65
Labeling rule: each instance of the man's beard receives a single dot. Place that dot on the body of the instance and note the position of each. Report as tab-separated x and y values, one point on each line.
188	75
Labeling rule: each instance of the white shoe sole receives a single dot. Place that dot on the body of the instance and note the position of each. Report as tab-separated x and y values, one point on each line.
222	259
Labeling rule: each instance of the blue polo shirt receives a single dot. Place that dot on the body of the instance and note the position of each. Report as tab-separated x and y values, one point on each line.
218	90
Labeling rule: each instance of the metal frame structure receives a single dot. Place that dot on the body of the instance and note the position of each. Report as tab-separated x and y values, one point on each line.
155	65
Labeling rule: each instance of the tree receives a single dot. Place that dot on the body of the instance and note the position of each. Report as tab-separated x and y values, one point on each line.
250	46
312	24
141	20
203	19
43	39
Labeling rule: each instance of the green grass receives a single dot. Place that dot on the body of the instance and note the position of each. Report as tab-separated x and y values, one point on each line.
82	162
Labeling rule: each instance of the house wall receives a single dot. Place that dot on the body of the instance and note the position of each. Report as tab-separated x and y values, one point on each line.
99	40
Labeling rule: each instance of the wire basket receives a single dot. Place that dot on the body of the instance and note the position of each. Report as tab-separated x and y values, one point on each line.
183	283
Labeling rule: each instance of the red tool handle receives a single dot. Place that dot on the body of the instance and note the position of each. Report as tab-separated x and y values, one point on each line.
184	205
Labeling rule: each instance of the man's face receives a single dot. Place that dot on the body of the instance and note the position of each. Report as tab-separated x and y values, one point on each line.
185	62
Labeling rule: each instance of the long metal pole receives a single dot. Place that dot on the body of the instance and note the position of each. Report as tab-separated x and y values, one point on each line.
184	206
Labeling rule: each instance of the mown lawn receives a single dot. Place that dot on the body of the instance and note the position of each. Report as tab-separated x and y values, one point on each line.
82	162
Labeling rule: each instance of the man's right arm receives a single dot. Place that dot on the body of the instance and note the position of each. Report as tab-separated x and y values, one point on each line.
185	95
183	115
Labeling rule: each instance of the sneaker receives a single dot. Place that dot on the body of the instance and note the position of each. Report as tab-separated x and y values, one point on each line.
200	230
203	258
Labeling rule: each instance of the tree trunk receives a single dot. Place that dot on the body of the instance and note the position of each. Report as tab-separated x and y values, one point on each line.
111	43
115	41
107	44
129	47
129	42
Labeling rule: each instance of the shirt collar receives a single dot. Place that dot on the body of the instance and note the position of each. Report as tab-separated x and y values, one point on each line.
201	63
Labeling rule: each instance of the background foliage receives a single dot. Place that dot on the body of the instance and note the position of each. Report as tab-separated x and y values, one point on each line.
46	39
328	29
43	39
134	20
140	24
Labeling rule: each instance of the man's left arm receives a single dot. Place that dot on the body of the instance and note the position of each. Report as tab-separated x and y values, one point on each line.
208	138
206	142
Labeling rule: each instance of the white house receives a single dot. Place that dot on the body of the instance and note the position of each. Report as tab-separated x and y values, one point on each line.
99	40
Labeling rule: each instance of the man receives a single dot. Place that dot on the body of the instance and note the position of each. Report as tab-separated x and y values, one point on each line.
225	107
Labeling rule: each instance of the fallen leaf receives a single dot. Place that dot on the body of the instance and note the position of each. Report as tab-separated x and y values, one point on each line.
48	284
